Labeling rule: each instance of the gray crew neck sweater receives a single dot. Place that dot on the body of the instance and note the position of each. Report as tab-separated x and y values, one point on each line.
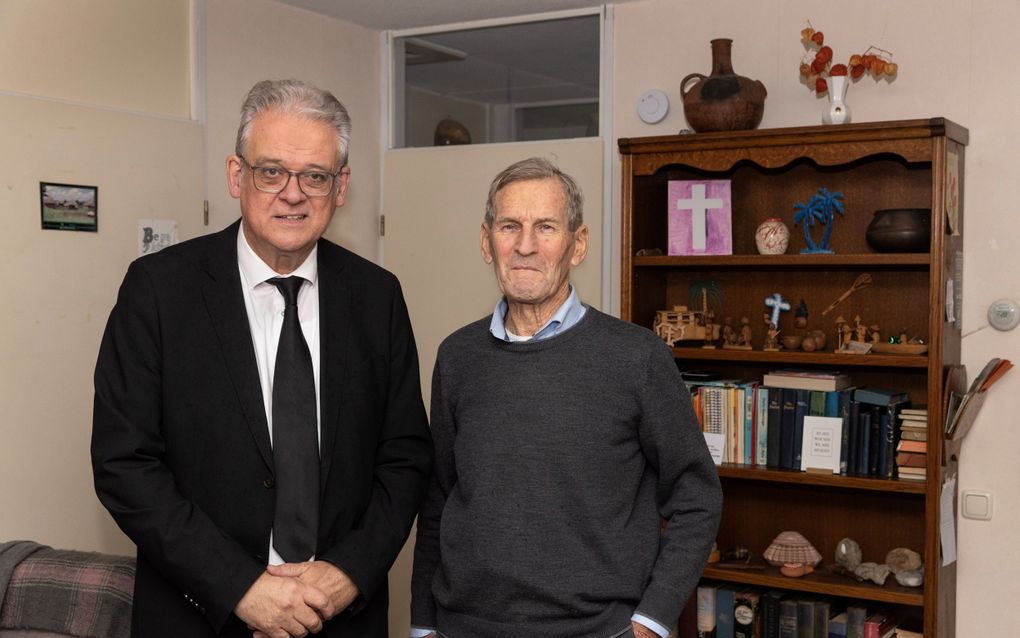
555	462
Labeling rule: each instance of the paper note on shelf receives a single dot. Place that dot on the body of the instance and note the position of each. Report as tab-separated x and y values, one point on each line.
947	521
716	445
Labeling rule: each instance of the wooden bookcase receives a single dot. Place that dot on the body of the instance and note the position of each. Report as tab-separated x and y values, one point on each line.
905	164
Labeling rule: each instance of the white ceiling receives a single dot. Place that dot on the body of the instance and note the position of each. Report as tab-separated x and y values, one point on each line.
407	14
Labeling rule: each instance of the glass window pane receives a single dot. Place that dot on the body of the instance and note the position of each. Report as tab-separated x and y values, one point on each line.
528	81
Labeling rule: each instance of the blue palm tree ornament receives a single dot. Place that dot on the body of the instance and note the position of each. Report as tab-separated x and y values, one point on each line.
821	209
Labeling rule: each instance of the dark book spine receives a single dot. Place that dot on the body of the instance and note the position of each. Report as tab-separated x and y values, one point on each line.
774	430
844	413
853	427
770	614
876	443
816	403
887	454
805	618
788	618
802	408
786	429
864	434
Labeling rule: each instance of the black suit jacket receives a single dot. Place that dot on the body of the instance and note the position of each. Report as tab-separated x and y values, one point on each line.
180	445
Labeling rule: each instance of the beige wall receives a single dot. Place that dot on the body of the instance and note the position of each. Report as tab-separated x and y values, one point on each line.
252	40
121	53
952	58
60	285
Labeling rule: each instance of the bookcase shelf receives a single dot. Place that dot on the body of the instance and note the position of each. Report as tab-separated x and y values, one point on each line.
756	473
820	582
877	165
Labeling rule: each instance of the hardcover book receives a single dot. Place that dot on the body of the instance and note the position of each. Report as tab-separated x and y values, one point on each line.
774	430
801	408
699	217
745	614
788	618
880	396
770	613
855	615
706	611
724	603
801	380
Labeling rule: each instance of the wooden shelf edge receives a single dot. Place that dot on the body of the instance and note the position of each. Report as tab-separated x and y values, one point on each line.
820	582
877	260
794	357
757	473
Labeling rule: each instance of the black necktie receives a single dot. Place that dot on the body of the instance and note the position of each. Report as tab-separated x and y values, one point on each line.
295	436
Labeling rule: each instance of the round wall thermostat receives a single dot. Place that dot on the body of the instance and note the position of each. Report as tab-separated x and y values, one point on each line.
1004	314
653	106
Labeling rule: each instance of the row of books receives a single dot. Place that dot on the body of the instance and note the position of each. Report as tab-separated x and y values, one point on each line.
763	423
731	611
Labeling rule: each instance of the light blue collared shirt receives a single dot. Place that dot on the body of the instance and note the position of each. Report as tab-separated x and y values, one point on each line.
565	318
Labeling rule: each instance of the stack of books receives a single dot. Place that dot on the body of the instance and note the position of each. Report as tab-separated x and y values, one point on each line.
912	448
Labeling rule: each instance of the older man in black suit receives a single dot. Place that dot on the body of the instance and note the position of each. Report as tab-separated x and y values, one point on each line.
258	429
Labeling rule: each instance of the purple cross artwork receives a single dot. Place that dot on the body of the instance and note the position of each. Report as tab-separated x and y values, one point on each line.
699	217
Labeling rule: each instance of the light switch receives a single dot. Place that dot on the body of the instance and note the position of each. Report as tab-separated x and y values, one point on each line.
977	505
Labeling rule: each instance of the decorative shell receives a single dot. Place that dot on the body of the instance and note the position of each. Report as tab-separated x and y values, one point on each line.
791	548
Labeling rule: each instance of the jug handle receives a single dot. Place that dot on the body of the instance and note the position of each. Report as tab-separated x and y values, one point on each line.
684	90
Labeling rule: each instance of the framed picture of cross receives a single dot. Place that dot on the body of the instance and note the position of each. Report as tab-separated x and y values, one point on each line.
700	217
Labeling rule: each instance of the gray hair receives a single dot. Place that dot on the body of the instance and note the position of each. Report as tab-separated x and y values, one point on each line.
537	168
297	97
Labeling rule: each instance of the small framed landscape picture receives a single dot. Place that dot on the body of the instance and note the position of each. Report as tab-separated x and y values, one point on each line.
822	444
69	207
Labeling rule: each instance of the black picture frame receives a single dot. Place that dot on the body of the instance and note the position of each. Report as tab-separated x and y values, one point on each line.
69	207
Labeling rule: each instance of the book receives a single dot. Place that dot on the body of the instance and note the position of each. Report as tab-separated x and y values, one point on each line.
745	614
816	403
911	459
801	409
775	411
769	611
761	427
837	626
906	445
786	428
706	611
853	443
788	618
805	618
880	624
863	444
875	442
724	602
880	396
921	410
806	380
855	615
821	619
845	397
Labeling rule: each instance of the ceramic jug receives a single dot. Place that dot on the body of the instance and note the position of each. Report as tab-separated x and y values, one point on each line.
722	101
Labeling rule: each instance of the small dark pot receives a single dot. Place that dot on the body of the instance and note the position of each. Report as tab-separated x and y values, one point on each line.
900	230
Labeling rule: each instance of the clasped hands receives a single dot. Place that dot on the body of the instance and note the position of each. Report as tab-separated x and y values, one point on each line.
294	599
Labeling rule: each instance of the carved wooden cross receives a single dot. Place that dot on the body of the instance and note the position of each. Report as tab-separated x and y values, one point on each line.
778	304
698	205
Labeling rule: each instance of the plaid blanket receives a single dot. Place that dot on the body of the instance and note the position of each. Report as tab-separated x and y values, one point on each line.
84	594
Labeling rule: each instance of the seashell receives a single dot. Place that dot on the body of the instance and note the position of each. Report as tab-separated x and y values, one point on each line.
910	577
848	554
790	548
902	559
873	571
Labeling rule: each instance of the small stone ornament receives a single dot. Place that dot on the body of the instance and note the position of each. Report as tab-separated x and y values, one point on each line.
902	559
873	571
910	577
793	554
848	554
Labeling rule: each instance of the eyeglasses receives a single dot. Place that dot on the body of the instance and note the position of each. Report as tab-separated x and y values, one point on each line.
273	179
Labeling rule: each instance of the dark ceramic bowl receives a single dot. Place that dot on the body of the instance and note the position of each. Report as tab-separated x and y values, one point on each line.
900	230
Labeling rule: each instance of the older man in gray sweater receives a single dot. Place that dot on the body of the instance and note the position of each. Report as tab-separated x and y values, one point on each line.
564	437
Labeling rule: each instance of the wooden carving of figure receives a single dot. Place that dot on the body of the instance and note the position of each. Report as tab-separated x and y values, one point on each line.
772	338
745	332
876	336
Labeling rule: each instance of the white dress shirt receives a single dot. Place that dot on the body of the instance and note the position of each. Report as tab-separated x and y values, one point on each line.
265	305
